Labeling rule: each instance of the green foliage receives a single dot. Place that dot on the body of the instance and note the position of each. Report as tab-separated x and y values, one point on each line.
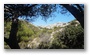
57	44
46	30
50	31
5	43
25	30
43	45
6	46
7	28
71	37
24	38
29	11
57	28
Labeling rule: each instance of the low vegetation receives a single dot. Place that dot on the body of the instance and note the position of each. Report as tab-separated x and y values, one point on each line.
29	36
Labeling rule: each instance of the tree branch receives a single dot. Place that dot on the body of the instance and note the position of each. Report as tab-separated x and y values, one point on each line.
75	12
80	8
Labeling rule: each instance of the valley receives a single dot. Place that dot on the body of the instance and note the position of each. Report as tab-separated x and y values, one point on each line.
45	37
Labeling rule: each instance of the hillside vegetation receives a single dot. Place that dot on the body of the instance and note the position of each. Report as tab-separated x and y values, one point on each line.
29	36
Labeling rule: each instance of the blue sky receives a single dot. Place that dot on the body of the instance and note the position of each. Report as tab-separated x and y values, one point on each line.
67	17
58	18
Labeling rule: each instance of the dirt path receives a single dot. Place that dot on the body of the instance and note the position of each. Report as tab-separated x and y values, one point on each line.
35	43
52	37
44	38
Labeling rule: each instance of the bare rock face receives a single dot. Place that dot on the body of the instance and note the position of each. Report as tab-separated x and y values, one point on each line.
59	24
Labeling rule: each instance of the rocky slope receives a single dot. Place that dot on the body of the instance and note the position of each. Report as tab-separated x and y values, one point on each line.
35	36
59	24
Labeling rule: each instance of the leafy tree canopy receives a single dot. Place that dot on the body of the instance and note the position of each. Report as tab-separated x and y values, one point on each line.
32	11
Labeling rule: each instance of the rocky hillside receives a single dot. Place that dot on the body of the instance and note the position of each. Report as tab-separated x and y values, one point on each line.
58	35
59	24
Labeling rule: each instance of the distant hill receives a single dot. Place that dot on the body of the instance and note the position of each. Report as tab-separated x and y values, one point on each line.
59	24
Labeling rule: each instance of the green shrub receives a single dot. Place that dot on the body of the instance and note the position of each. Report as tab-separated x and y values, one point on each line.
71	37
24	38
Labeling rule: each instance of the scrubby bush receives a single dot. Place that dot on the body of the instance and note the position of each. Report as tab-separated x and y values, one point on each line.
71	37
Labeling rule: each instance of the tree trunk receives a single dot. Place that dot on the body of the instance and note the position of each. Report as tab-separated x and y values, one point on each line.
76	13
12	41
